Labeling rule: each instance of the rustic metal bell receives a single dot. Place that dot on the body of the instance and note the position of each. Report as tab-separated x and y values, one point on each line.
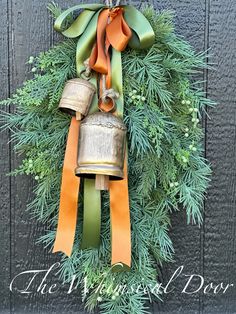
101	152
77	97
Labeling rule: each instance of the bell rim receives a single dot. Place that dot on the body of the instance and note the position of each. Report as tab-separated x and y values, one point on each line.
71	109
114	175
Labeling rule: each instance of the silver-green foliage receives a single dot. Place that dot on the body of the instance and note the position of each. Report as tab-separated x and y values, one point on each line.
166	168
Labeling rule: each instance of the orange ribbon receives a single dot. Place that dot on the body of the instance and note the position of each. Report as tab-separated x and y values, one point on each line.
112	30
69	194
120	221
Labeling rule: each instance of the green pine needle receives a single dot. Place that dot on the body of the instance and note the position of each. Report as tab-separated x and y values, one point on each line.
167	170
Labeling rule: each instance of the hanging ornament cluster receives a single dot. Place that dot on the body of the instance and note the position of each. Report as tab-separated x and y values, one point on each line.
86	120
96	144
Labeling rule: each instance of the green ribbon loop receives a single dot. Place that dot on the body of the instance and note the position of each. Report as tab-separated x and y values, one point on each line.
86	42
79	25
62	18
143	34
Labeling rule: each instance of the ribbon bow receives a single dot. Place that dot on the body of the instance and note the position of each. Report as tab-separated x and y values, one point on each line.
99	29
111	30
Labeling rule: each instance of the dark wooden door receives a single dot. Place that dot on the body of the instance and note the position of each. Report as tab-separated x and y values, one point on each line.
209	251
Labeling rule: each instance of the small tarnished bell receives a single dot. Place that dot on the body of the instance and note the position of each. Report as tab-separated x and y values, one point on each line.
77	97
102	143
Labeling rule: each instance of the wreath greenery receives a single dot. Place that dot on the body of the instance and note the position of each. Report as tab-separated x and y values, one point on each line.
167	170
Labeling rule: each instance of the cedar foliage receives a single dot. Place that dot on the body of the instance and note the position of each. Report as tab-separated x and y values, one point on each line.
167	170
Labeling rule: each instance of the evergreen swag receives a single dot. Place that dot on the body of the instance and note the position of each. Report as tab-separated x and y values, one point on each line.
167	170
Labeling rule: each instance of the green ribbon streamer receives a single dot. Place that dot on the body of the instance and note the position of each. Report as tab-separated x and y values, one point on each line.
84	27
92	215
83	51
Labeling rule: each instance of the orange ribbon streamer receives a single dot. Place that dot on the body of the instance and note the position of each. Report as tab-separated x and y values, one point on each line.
69	194
98	59
112	30
120	221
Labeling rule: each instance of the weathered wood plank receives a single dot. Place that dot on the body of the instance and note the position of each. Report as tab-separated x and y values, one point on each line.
220	215
29	35
190	20
5	217
32	32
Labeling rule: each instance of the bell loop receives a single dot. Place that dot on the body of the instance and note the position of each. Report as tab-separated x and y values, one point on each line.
108	105
109	94
86	72
85	75
107	101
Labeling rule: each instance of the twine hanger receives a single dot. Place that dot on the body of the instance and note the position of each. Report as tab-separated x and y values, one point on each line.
110	4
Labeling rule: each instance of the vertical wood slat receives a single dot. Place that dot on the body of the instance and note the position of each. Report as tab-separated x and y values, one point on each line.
190	20
220	213
4	169
32	32
204	125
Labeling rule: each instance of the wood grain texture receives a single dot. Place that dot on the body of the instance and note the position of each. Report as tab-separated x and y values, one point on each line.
190	21
31	32
5	239
220	214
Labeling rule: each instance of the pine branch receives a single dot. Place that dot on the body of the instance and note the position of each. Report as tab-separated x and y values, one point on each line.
166	168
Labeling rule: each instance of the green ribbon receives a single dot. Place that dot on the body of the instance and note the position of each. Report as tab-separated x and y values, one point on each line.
92	216
76	29
143	35
84	27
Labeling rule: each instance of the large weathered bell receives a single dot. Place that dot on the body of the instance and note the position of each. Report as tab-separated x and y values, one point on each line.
77	97
101	151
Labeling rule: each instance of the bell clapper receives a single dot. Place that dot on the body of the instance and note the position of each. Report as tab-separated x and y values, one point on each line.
102	182
78	116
